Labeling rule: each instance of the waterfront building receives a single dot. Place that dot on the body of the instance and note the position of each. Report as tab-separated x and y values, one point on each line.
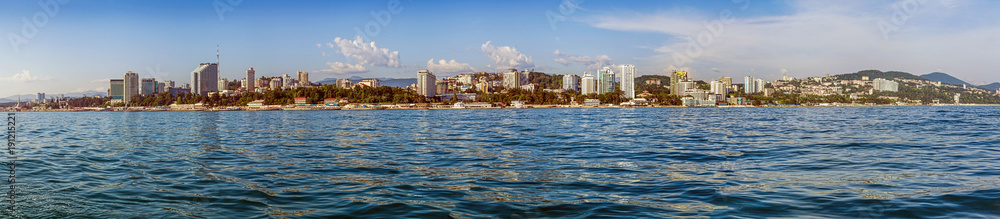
117	91
441	87
205	78
628	81
223	84
426	83
605	80
719	87
882	84
344	83
569	82
512	79
275	84
286	81
726	80
587	84
147	86
131	86
251	83
303	78
753	85
675	78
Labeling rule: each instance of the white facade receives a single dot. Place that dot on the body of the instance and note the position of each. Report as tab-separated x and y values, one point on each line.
223	84
569	82
628	81
426	83
882	84
587	84
719	87
605	80
753	85
303	78
512	79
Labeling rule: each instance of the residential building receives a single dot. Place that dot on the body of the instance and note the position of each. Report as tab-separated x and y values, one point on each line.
465	79
441	87
749	85
882	84
512	79
275	84
726	80
251	83
286	81
303	78
719	87
570	82
131	86
147	86
205	79
525	76
40	97
344	83
605	80
426	83
223	84
684	86
675	78
628	81
117	91
161	87
587	84
369	82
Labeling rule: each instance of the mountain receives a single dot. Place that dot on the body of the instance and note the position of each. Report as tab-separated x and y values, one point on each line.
391	82
873	74
991	87
945	78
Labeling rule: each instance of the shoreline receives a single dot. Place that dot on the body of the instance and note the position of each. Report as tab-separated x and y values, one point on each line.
447	107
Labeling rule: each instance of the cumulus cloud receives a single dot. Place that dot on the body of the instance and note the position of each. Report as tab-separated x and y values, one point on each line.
507	57
592	63
448	66
344	68
367	53
815	37
25	76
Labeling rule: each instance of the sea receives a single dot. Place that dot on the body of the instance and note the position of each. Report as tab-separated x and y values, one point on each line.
799	162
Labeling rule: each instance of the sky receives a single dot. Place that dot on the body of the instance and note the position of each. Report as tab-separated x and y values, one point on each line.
62	46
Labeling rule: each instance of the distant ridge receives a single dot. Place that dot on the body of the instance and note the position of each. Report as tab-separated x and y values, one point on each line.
992	87
873	74
30	97
945	78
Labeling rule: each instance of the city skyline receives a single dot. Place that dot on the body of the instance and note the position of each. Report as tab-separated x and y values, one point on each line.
73	49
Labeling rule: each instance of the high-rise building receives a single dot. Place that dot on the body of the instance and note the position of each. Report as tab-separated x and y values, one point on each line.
205	79
587	84
719	87
131	86
426	83
286	81
161	87
570	82
684	86
628	81
526	76
147	86
441	87
41	97
223	84
117	91
275	84
251	81
303	78
882	84
726	80
749	85
605	80
675	78
512	79
344	83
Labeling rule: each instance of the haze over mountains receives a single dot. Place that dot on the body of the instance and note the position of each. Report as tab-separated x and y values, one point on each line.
948	79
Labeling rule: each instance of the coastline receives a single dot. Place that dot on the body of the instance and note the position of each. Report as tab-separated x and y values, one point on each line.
448	107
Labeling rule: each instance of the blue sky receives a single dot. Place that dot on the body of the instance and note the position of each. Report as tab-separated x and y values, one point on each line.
84	43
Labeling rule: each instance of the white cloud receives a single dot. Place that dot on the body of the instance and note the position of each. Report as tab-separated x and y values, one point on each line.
592	63
344	68
816	37
448	66
25	76
102	80
507	57
367	53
